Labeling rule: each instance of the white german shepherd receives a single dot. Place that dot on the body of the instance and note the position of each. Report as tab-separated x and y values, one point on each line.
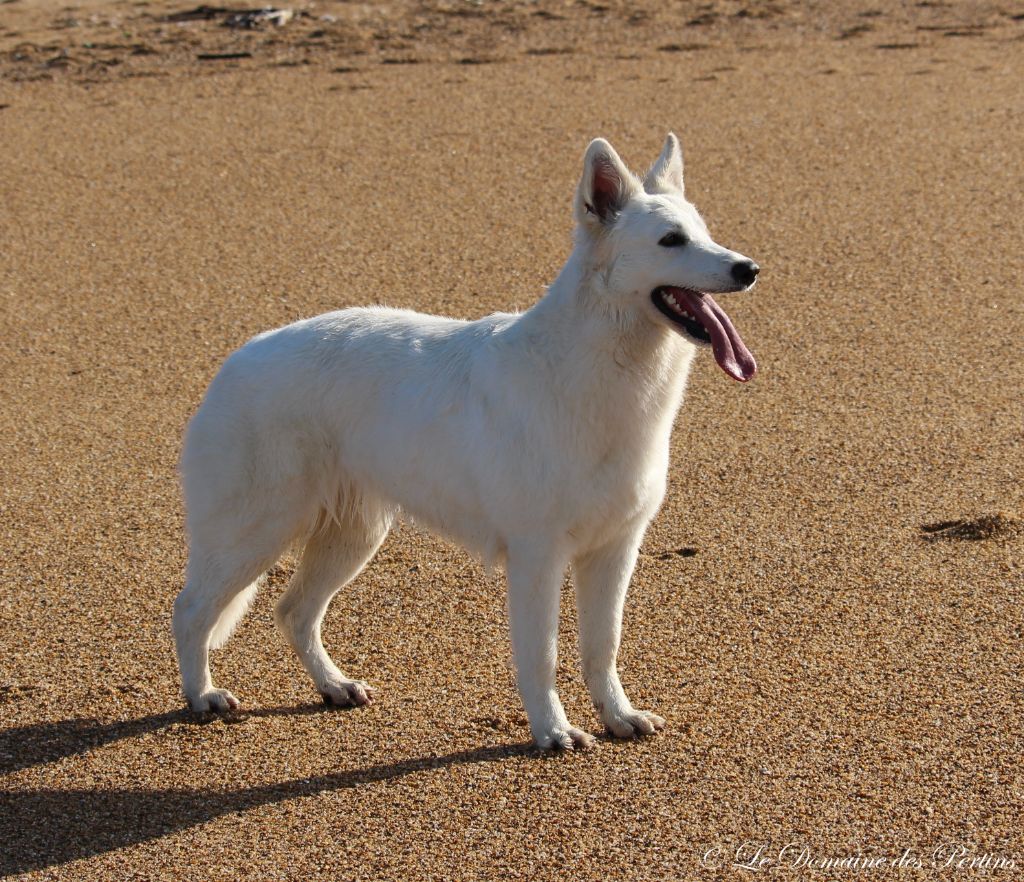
537	440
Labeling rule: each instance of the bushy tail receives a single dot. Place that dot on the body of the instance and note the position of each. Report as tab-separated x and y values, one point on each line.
233	614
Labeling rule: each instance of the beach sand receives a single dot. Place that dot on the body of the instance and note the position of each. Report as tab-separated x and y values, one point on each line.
827	610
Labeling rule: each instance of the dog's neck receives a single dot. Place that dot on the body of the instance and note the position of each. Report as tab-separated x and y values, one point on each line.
600	351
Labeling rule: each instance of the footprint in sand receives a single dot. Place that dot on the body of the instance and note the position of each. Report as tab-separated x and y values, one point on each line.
985	527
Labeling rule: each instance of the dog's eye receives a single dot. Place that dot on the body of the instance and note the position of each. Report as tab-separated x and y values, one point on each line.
672	240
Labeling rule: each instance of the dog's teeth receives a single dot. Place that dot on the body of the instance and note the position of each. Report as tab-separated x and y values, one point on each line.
677	307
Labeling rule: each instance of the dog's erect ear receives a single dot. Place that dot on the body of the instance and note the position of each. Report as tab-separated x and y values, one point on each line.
606	185
666	175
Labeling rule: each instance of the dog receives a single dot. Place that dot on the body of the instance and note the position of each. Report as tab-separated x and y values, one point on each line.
537	440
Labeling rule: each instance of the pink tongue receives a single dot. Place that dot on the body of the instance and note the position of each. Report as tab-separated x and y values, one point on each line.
732	355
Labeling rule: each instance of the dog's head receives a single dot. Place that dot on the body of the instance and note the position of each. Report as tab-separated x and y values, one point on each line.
653	253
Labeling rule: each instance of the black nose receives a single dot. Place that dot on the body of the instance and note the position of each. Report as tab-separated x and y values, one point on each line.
745	272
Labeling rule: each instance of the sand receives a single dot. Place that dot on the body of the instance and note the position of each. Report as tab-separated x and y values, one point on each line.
828	609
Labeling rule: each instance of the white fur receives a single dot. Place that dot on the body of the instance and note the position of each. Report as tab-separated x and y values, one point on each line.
537	440
237	607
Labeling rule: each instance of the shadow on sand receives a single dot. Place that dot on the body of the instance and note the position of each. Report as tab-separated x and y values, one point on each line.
43	828
35	745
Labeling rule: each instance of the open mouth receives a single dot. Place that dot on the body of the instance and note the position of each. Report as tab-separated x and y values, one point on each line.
696	315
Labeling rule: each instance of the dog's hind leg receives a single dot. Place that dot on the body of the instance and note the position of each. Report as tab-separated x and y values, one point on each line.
218	588
602	578
333	557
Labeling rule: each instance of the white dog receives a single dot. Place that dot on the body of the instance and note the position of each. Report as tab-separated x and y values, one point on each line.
537	440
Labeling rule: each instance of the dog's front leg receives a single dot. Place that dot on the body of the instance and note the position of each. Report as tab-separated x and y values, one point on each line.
602	578
534	584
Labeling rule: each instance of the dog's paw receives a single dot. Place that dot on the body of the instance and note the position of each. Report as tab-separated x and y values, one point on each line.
347	693
633	723
564	738
217	700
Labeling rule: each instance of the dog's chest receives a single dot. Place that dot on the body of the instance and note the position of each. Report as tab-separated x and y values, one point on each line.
620	485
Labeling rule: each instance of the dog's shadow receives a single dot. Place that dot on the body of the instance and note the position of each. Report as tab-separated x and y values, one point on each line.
35	745
43	828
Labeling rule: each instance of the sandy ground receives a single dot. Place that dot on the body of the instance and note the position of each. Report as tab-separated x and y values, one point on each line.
828	609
